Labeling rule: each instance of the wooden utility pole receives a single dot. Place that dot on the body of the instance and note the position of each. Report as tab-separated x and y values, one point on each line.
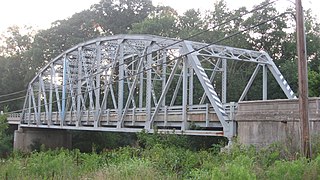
303	82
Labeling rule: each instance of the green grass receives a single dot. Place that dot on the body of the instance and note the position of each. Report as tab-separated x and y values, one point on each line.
162	161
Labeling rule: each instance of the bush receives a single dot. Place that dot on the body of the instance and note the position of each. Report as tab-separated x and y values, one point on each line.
131	169
160	161
287	169
242	168
5	137
146	140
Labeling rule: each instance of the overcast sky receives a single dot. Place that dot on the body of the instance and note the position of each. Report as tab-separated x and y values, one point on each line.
41	13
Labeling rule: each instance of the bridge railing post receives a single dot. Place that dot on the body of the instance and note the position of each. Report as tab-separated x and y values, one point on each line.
207	114
232	125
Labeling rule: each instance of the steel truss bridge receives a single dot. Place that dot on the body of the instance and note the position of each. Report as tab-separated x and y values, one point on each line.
127	83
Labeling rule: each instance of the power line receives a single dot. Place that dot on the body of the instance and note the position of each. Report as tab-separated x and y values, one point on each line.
13	93
13	99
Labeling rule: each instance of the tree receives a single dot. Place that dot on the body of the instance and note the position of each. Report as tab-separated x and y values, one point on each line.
117	16
190	24
162	22
62	35
312	28
14	42
5	139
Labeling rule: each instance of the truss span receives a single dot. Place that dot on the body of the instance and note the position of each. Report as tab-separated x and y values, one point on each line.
133	82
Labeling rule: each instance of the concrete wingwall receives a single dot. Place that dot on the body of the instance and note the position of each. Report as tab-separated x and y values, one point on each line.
264	122
27	138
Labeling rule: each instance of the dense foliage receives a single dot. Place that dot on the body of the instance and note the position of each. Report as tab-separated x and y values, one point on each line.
5	137
162	157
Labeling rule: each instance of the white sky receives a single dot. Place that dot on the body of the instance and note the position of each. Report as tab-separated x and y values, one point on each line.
41	13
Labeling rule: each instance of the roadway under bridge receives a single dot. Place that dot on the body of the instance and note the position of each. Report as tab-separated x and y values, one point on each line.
126	83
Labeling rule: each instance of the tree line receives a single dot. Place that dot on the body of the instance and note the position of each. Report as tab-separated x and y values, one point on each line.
24	51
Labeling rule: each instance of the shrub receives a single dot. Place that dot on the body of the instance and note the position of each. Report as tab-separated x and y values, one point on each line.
287	169
130	169
146	140
5	137
240	168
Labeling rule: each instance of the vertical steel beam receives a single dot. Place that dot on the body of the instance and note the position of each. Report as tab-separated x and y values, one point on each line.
190	86
141	81
207	115
36	114
164	73
149	87
64	91
50	93
45	102
97	84
224	81
264	82
29	104
57	93
184	94
121	82
23	113
39	99
98	76
79	85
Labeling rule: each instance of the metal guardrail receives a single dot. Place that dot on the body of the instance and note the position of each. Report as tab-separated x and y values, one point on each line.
14	118
203	116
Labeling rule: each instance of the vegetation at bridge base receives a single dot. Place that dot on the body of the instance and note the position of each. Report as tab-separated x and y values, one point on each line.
162	157
5	137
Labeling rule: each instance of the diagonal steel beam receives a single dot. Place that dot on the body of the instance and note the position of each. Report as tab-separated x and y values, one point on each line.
206	85
130	96
176	90
164	93
246	89
216	68
280	79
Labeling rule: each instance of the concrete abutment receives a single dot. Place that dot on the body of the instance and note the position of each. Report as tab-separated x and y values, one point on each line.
262	123
25	139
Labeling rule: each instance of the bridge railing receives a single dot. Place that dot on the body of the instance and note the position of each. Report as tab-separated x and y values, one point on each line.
203	113
14	118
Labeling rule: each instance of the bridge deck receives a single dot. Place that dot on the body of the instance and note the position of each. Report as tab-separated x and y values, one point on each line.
202	120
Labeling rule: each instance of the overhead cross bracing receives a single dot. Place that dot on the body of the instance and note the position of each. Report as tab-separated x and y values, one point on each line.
133	82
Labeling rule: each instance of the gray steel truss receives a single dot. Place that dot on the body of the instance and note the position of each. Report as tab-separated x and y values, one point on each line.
132	82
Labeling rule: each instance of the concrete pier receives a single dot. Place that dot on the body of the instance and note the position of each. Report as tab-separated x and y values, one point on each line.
27	138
